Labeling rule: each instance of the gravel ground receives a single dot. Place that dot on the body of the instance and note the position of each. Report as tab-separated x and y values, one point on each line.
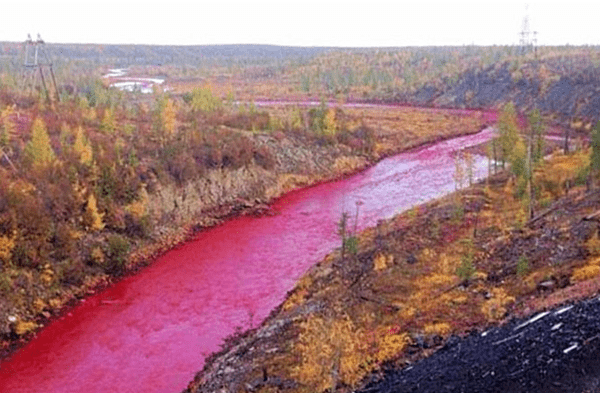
553	351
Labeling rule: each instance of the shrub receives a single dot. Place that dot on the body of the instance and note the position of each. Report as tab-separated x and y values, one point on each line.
63	241
203	100
342	230
495	308
247	121
6	285
6	247
458	214
368	136
382	261
352	245
582	176
97	256
585	273
264	157
329	123
440	329
21	257
593	245
8	127
390	346
595	151
466	270
238	151
522	266
182	167
118	248
22	328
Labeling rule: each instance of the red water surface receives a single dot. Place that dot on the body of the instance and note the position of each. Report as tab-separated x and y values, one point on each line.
151	332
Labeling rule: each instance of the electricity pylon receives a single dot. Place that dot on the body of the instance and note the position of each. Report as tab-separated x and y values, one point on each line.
37	63
527	39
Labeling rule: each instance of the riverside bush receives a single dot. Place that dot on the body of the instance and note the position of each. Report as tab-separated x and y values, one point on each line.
117	250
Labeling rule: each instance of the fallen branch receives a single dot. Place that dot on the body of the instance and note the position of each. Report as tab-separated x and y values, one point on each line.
8	160
592	216
385	304
541	215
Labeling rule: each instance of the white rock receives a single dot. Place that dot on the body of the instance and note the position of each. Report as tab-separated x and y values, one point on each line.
562	310
572	347
532	320
557	326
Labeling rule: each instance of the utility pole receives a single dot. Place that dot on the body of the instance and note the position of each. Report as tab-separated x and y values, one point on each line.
36	63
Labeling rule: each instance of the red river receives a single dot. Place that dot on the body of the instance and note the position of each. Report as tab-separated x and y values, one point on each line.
151	332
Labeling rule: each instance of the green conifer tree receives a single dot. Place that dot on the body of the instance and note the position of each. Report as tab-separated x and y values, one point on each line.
508	130
537	136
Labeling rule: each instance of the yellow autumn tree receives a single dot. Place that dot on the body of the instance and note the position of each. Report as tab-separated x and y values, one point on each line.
7	245
331	350
92	218
38	152
82	147
169	118
297	122
107	125
329	125
7	128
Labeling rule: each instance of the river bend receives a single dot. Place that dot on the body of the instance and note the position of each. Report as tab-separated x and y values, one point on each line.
152	331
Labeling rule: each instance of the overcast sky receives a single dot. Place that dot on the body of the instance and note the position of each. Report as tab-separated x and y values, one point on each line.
304	23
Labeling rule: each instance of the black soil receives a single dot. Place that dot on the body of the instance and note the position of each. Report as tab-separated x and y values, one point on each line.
555	351
573	91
